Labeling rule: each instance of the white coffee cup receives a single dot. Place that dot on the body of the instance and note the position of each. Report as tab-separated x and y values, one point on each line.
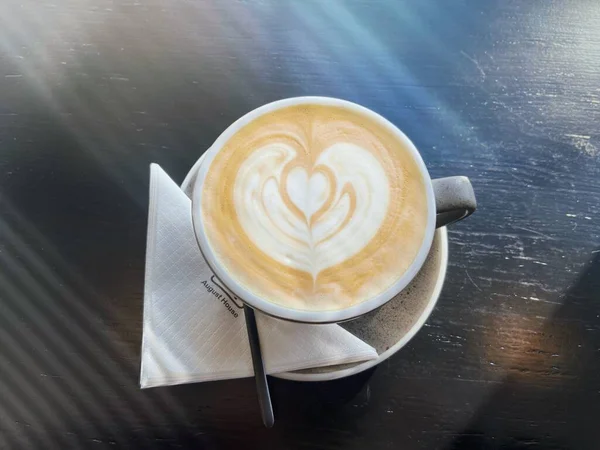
448	200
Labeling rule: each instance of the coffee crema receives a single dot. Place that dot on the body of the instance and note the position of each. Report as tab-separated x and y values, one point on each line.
314	207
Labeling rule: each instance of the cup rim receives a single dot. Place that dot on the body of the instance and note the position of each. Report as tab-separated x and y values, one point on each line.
280	311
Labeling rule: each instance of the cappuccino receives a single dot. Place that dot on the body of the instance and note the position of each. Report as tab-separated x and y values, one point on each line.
314	207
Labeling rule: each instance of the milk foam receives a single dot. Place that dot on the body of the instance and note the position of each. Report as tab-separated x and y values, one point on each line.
314	207
300	217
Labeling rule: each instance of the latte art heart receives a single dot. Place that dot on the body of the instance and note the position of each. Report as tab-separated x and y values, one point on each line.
307	194
311	222
314	207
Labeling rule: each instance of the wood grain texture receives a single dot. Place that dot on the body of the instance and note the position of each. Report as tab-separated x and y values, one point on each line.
506	92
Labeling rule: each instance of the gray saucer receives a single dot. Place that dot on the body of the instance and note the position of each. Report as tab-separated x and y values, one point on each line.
390	327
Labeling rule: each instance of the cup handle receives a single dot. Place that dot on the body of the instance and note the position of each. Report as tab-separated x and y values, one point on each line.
454	200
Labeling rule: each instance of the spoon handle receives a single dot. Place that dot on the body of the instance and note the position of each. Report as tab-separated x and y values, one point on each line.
262	388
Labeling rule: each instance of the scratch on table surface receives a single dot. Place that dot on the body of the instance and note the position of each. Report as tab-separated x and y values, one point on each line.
474	284
13	76
534	232
459	378
474	61
582	142
514	176
545	94
535	299
534	284
489	56
496	234
517	247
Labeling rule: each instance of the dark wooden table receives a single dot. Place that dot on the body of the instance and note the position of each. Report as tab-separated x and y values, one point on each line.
504	91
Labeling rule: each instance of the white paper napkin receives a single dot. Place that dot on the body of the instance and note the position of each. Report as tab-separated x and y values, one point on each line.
194	329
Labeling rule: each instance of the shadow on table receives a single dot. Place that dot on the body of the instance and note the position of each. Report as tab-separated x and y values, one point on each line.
320	399
550	398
